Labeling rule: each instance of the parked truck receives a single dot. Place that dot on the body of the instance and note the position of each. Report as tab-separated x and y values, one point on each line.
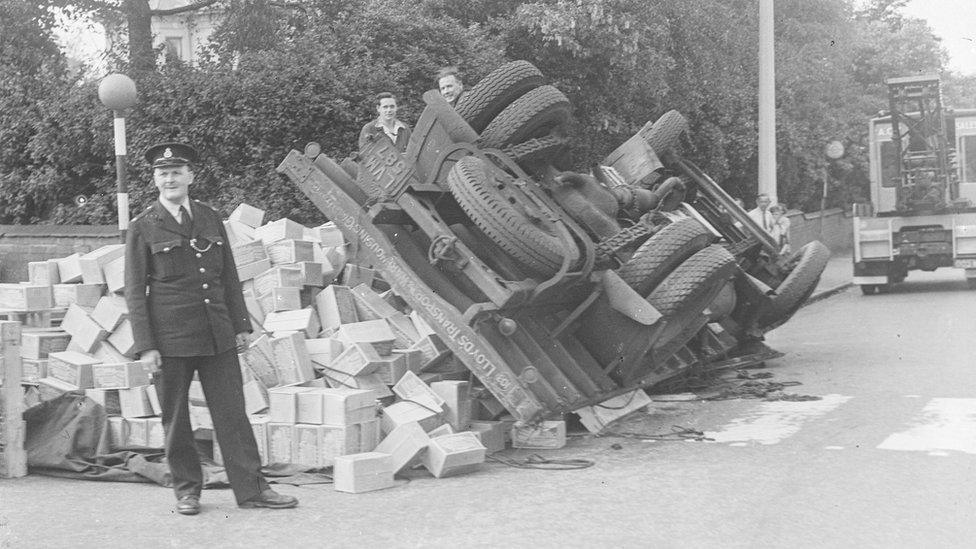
559	289
923	189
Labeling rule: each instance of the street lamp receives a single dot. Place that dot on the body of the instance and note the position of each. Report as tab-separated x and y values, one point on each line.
833	151
118	92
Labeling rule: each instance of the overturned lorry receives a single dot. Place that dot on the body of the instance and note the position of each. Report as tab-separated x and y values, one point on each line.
557	289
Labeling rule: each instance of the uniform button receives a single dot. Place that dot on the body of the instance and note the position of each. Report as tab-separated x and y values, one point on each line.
166	249
205	286
202	270
207	301
199	255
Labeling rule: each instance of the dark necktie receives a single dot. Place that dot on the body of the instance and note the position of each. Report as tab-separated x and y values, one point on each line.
184	218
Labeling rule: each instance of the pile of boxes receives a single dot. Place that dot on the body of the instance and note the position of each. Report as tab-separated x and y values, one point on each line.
340	372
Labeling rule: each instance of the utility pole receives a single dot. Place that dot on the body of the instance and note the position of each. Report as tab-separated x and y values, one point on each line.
767	102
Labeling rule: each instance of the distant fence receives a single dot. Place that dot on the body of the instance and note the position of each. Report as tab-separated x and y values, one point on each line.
21	244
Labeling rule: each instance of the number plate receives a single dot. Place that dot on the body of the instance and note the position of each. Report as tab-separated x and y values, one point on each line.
965	263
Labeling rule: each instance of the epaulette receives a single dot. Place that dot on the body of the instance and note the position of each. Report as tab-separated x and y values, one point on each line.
206	205
142	215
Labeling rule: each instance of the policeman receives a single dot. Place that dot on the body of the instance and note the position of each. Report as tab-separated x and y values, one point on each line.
188	316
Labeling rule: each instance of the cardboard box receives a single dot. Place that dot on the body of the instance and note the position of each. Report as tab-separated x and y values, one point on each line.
391	368
122	338
86	335
344	406
200	420
255	397
107	398
69	269
280	442
72	367
374	332
301	320
358	473
288	251
412	388
399	413
32	369
43	273
320	445
595	418
39	345
404	330
336	306
156	434
291	359
491	434
93	262
250	271
283	403
110	311
106	352
247	215
423	328
457	402
114	272
356	359
441	430
134	402
327	234
50	388
433	349
117	433
280	276
280	299
248	253
323	351
413	359
405	444
370	433
543	435
369	304
281	229
136	433
259	360
238	233
23	297
86	295
354	275
454	454
153	394
254	309
122	375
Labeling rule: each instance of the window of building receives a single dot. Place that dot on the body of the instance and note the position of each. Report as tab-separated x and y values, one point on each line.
174	47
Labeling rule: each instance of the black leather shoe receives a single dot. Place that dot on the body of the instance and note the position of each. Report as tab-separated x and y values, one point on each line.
188	505
270	499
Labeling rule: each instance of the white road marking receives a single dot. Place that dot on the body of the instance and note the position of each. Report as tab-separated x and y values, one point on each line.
944	424
775	421
833	447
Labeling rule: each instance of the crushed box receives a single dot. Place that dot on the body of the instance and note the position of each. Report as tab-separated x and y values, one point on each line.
454	454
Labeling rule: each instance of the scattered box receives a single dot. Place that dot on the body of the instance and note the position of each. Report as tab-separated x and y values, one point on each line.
323	351
543	435
405	443
284	252
312	273
391	368
122	375
93	262
328	235
110	311
114	272
454	454
106	352
107	398
122	338
33	369
43	273
86	295
37	345
248	253
255	397
412	388
134	402
399	413
280	437
238	233
354	275
281	229
336	306
344	406
283	403
259	359
357	473
291	359
374	332
441	430
251	271
72	367
50	388
301	320
153	394
24	297
457	402
369	435
69	268
369	304
254	308
596	417
248	215
491	434
280	276
413	359
433	349
357	359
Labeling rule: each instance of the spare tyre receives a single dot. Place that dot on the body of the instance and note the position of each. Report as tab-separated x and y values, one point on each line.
535	114
664	135
494	92
662	253
809	263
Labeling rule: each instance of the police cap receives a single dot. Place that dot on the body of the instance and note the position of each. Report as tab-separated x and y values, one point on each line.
171	154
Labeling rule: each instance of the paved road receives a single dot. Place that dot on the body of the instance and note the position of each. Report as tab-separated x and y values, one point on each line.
886	458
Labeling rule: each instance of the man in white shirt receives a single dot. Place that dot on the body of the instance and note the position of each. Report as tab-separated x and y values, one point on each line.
760	214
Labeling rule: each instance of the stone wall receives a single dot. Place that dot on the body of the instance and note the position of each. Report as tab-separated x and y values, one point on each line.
837	231
20	244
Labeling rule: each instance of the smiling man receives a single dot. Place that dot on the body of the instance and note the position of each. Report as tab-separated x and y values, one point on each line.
386	125
450	85
188	316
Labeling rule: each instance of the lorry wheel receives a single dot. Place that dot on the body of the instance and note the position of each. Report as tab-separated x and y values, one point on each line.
868	289
508	217
534	114
664	134
689	290
496	91
536	150
662	253
799	285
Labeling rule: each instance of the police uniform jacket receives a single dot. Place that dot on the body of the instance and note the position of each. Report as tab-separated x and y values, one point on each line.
181	284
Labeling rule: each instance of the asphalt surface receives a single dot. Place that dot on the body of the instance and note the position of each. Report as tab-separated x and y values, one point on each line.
883	458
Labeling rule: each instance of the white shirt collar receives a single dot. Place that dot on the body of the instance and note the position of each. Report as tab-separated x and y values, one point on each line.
174	209
396	126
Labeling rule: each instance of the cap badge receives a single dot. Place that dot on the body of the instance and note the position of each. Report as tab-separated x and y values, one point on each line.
168	153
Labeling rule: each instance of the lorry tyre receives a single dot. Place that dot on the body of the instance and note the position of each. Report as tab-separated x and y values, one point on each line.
664	134
662	253
496	91
688	291
868	289
535	114
799	285
496	207
537	149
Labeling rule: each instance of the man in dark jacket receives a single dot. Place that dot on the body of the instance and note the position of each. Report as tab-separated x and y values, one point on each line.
188	315
450	85
386	125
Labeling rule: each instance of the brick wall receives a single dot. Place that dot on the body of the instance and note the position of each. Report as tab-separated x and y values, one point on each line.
20	244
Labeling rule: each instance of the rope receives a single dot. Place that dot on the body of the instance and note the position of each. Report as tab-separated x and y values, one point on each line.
678	433
535	461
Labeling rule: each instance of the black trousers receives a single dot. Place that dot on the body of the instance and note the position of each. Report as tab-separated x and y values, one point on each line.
220	376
